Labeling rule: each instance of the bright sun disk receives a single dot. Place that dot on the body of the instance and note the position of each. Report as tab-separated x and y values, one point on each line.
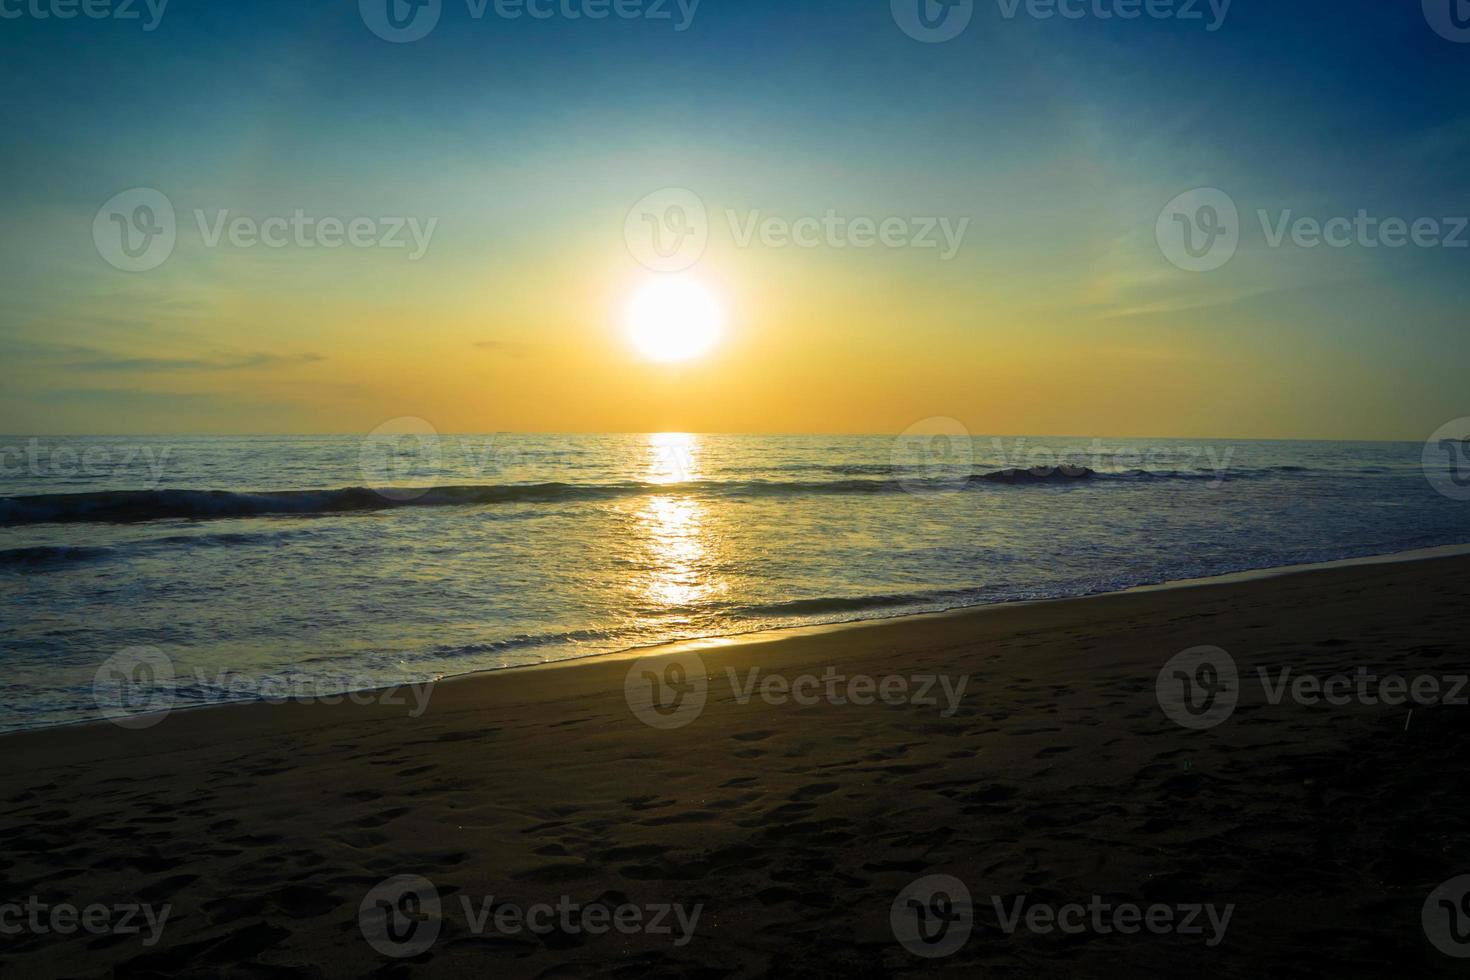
673	318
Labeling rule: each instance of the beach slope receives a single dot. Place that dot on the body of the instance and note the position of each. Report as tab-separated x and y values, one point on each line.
1037	767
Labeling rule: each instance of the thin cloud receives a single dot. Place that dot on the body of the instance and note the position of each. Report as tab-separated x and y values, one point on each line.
237	362
78	358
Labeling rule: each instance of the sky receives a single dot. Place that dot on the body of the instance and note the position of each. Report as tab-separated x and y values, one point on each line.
518	147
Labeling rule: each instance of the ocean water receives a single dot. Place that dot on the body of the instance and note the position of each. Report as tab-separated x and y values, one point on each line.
348	562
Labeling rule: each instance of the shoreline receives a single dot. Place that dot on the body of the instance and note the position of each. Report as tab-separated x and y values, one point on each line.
1057	773
775	634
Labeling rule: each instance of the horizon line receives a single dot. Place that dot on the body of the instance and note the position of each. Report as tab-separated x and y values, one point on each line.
691	432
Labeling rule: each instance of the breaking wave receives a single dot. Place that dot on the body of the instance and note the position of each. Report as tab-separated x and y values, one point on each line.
150	505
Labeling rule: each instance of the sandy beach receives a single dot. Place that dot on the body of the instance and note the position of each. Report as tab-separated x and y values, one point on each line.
654	489
768	824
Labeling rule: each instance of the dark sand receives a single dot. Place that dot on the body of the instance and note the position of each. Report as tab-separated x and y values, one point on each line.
795	827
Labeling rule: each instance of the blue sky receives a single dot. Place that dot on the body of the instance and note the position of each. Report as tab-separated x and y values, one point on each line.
527	139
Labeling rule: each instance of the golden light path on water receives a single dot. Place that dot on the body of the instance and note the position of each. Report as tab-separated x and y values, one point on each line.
675	532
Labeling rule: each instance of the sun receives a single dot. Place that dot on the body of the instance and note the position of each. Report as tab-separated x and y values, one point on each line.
672	319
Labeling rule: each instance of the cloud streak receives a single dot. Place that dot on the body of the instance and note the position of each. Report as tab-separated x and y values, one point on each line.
77	358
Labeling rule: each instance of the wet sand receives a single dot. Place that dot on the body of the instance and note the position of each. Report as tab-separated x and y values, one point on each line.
1046	772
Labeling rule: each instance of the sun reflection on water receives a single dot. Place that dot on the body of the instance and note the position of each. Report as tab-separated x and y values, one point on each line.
673	457
677	540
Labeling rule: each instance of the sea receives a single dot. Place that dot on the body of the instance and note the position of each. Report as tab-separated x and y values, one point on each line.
257	564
